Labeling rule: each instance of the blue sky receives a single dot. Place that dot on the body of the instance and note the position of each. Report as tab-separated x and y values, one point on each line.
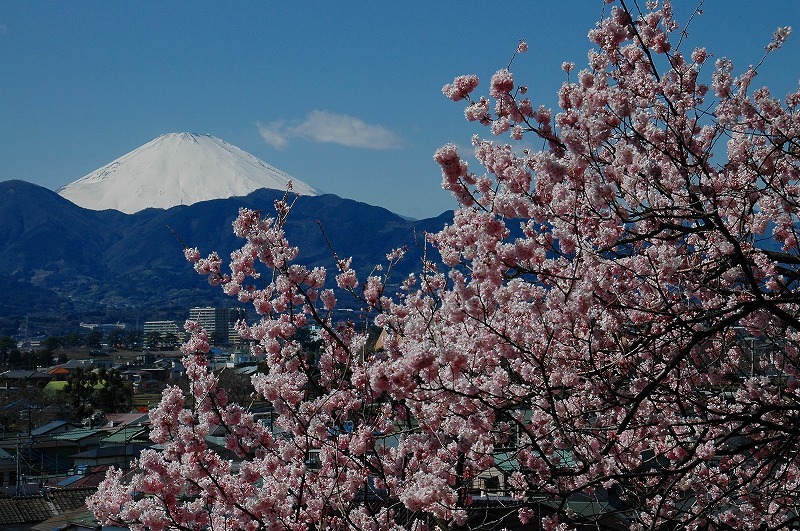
343	95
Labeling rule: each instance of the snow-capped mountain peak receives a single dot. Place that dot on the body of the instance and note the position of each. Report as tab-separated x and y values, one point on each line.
177	169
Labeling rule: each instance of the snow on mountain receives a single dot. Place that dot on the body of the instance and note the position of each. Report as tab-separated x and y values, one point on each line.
177	169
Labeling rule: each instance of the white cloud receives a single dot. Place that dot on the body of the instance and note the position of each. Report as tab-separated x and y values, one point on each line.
334	128
324	126
273	135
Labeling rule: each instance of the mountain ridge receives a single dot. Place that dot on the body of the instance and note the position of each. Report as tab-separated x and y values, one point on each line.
74	259
85	251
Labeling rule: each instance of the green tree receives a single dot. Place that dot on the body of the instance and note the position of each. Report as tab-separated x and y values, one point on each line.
88	390
13	359
170	340
94	339
79	390
37	358
114	394
7	344
116	337
52	343
73	339
218	338
238	386
133	339
153	340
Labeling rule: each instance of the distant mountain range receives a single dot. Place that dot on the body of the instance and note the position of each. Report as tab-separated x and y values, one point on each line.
60	257
109	245
61	260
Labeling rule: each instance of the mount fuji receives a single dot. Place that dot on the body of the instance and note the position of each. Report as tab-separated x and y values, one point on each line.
177	169
99	248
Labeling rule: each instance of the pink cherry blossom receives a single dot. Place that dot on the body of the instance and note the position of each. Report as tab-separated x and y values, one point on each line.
610	316
779	37
502	83
461	87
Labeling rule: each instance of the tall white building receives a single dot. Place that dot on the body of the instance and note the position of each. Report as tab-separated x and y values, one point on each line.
164	327
219	322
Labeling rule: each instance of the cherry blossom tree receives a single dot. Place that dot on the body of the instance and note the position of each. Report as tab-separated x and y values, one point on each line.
610	321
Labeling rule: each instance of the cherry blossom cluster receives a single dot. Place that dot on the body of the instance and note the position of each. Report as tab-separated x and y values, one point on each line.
642	294
615	317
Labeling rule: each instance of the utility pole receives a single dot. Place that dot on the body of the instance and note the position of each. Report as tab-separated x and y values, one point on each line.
18	467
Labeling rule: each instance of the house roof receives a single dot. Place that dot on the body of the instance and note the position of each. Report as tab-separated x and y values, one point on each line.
74	519
127	434
74	364
78	434
68	499
109	451
50	426
42	507
91	479
247	370
9	512
24	509
18	374
125	419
